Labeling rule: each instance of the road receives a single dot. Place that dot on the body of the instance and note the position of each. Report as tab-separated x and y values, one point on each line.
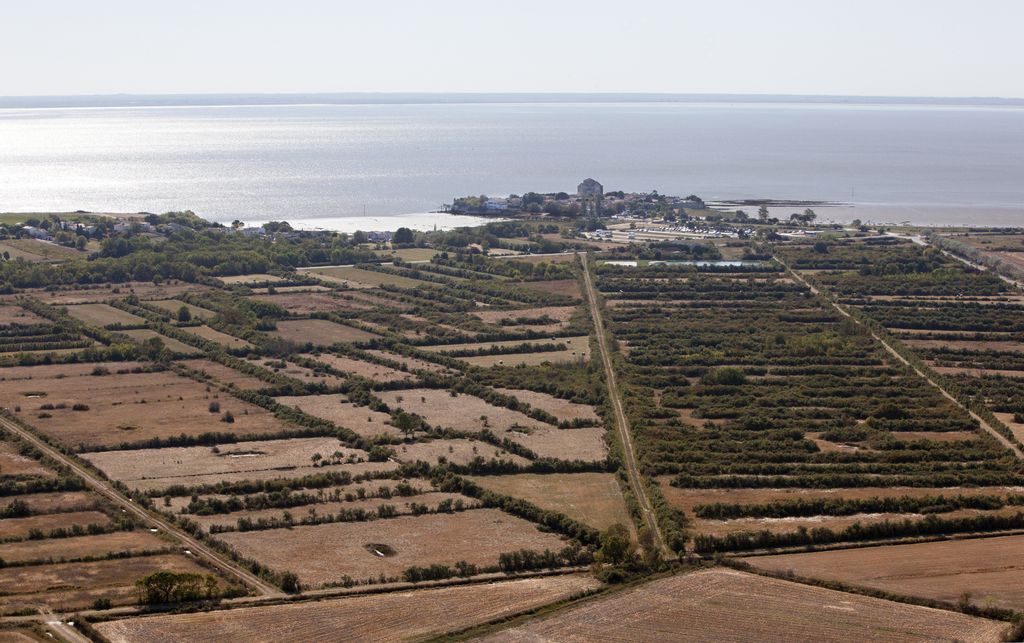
151	519
892	351
621	423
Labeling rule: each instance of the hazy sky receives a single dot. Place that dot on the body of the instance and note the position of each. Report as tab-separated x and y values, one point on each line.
864	47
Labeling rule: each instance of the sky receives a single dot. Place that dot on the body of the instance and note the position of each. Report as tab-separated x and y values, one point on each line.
950	48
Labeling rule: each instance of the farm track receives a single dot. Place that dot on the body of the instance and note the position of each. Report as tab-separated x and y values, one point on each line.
107	490
621	423
892	351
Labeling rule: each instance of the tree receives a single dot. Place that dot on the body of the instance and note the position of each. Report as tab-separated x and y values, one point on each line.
236	224
359	237
290	583
809	216
184	314
615	544
405	423
762	213
403	235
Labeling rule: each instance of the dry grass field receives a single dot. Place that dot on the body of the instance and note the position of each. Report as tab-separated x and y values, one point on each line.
561	409
160	485
57	501
255	278
362	368
224	374
10	314
142	334
325	553
130	408
360	278
58	371
566	287
456	451
411	363
20	527
954	344
104	315
319	332
306	303
225	340
37	251
726	605
558	313
301	373
989	568
241	457
104	292
396	616
407	254
172	306
13	463
71	586
462	412
592	498
585	444
337	409
60	549
402	505
578	352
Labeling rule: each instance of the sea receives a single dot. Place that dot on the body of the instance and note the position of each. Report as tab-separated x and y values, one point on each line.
377	162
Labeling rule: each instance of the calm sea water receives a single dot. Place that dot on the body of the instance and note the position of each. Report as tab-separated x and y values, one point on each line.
926	164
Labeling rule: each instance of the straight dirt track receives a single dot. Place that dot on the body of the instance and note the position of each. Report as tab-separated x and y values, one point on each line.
621	423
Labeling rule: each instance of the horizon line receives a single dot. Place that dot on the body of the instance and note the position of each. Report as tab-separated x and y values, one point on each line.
356	97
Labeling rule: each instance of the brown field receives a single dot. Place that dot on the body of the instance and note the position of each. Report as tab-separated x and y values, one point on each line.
401	504
18	315
59	549
325	553
580	342
20	634
411	363
56	371
180	503
132	407
567	287
301	373
19	527
463	413
241	457
153	485
142	334
320	332
524	359
225	340
1016	428
225	374
104	315
305	303
726	605
56	501
988	568
558	313
360	278
592	498
255	278
335	408
141	289
13	463
172	306
362	368
71	586
457	451
561	409
546	441
396	616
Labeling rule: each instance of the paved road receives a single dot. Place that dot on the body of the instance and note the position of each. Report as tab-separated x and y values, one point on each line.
147	517
621	423
892	351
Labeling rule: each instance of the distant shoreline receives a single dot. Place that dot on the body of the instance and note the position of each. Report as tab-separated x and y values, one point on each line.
370	98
